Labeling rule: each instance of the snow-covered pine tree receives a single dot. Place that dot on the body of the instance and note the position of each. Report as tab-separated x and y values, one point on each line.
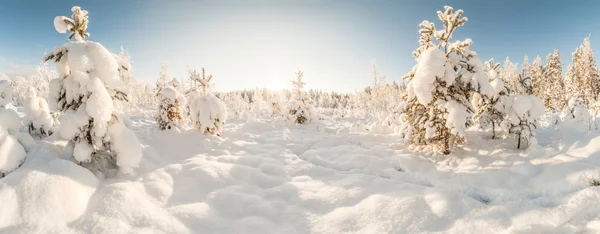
522	112
129	93
577	111
509	75
98	138
573	76
6	94
161	82
207	112
12	153
170	110
275	103
537	78
38	118
300	109
437	109
526	68
555	92
490	108
591	75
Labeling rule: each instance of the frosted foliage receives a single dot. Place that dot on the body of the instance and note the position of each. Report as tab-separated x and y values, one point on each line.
523	112
5	93
88	74
38	119
99	104
60	25
12	153
458	116
300	109
438	107
430	67
170	109
576	111
208	113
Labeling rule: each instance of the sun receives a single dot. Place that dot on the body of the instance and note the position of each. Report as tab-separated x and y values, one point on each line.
276	81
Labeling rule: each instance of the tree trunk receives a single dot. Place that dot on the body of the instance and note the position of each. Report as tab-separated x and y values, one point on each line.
493	130
446	141
519	142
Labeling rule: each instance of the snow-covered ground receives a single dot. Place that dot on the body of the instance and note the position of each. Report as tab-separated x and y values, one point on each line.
264	177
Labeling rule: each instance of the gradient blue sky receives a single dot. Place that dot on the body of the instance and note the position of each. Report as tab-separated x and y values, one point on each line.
247	44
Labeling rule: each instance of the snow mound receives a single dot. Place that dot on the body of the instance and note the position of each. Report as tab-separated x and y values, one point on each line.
46	192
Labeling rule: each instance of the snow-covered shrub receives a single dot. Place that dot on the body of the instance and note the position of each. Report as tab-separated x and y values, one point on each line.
490	108
170	109
38	120
437	109
300	109
275	105
207	112
577	115
5	93
88	74
12	153
576	110
522	113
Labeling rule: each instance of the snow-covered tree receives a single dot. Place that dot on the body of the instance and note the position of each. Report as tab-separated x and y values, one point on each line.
162	78
509	75
38	119
437	108
582	75
6	93
526	68
577	111
97	137
300	109
537	78
592	74
490	108
555	92
12	153
170	110
207	112
573	77
522	112
275	103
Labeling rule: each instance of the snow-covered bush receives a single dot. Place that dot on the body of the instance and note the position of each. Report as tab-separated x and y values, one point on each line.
300	109
275	105
170	109
88	75
207	112
577	115
5	93
437	109
12	153
576	110
490	108
38	119
522	113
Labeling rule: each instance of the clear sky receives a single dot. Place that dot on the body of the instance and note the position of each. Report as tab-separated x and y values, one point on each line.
261	43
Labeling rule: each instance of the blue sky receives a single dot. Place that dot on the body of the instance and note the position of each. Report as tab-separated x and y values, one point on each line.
247	44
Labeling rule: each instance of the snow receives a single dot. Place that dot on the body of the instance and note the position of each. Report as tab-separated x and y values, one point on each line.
263	177
60	25
37	115
209	112
90	122
126	145
5	93
430	66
